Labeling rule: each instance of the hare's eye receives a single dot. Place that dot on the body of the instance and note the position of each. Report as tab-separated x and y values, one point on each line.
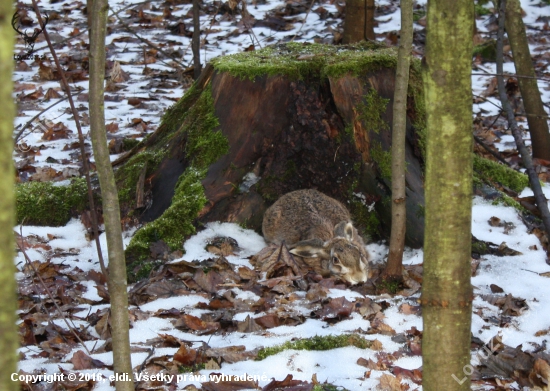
335	260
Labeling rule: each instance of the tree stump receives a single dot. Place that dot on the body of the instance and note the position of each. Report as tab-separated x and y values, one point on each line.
257	125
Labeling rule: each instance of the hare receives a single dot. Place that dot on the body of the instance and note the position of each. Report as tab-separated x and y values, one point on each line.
318	228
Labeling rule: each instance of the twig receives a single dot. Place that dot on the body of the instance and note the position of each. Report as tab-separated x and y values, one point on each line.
249	28
65	86
531	271
517	115
304	22
29	262
145	41
494	153
541	201
488	101
35	117
519	76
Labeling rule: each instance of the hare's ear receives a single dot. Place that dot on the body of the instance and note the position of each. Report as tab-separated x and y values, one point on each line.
345	229
313	248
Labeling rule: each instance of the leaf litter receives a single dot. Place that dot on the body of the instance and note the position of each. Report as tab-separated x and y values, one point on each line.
210	311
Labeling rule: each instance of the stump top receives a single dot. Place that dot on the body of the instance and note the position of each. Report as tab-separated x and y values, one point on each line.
301	60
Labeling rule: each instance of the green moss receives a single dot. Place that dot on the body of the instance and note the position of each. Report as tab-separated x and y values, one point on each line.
487	50
481	10
363	218
415	92
327	342
479	248
174	116
382	159
176	223
44	203
390	286
128	175
194	368
328	387
505	199
129	143
299	61
348	130
371	109
419	14
420	211
142	269
203	146
496	172
290	170
265	188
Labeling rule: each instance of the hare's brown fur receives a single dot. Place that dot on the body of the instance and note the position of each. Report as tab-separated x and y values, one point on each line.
318	228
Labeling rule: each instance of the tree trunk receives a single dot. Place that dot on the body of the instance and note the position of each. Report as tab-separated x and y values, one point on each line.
542	202
111	209
260	124
446	289
536	115
394	268
196	40
359	21
9	340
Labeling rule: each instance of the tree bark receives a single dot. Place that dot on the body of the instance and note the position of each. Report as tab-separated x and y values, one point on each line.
446	289
359	21
111	210
394	267
8	305
536	115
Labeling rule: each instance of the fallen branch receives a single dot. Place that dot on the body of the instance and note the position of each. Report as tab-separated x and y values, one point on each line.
541	200
497	155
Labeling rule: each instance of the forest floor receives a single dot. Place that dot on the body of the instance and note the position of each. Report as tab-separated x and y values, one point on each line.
185	329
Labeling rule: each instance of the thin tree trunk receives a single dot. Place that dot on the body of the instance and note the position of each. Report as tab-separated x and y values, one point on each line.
111	211
196	40
446	289
536	115
394	268
359	21
542	202
369	25
8	305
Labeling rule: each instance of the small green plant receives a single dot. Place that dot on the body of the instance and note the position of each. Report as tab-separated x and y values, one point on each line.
194	368
382	159
419	14
481	10
328	387
318	342
392	286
